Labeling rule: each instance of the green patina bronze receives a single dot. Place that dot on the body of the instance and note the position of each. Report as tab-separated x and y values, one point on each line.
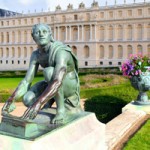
60	84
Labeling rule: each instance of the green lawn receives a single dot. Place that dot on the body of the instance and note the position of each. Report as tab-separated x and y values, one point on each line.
106	95
11	83
141	140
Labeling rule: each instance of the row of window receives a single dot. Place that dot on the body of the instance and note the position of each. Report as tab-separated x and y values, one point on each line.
111	14
102	63
25	62
110	52
25	21
128	13
12	62
110	32
12	52
119	32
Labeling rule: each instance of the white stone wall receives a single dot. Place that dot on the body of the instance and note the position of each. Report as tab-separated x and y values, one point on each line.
100	36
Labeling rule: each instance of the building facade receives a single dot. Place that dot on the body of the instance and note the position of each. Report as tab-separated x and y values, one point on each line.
99	36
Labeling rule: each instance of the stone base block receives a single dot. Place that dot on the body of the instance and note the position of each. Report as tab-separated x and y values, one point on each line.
84	133
132	106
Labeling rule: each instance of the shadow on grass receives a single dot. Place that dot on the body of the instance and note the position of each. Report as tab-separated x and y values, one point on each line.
105	107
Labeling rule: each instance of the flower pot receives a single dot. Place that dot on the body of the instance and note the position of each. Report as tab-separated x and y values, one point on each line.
142	84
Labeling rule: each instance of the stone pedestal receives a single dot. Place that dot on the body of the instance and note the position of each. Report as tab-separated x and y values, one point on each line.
82	133
132	106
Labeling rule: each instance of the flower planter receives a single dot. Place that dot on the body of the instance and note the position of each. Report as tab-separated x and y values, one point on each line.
142	84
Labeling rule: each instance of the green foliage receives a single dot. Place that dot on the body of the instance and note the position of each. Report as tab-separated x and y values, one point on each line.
102	71
4	97
141	140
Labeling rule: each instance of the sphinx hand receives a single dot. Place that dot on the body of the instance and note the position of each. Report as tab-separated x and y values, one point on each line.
8	107
31	112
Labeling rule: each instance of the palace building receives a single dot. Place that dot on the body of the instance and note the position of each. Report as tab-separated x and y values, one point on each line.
100	36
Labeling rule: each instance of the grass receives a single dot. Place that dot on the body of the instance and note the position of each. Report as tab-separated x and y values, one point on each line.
106	95
11	83
8	85
141	140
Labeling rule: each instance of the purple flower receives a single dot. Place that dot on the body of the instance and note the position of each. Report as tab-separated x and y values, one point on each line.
127	67
136	65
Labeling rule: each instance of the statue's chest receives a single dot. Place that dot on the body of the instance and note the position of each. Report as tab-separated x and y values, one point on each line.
43	60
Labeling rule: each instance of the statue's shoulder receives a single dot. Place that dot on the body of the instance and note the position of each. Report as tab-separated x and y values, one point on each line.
34	54
61	46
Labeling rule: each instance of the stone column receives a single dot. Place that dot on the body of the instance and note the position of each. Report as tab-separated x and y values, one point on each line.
16	36
115	35
78	33
124	46
29	36
95	34
58	32
55	30
91	33
82	32
145	30
10	37
134	34
22	40
4	37
124	34
70	34
66	33
106	33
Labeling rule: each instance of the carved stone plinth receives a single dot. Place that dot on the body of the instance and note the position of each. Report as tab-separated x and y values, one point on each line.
83	131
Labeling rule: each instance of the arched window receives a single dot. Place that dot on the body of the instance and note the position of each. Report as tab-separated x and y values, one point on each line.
63	18
86	51
110	32
74	49
139	49
120	32
129	50
1	52
25	52
101	54
19	37
2	23
19	52
7	52
63	34
148	50
139	32
31	50
13	37
87	33
13	52
25	36
120	51
110	52
129	32
2	37
148	32
102	33
75	33
7	37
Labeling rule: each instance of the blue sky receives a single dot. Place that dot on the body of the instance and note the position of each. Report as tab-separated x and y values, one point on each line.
38	5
